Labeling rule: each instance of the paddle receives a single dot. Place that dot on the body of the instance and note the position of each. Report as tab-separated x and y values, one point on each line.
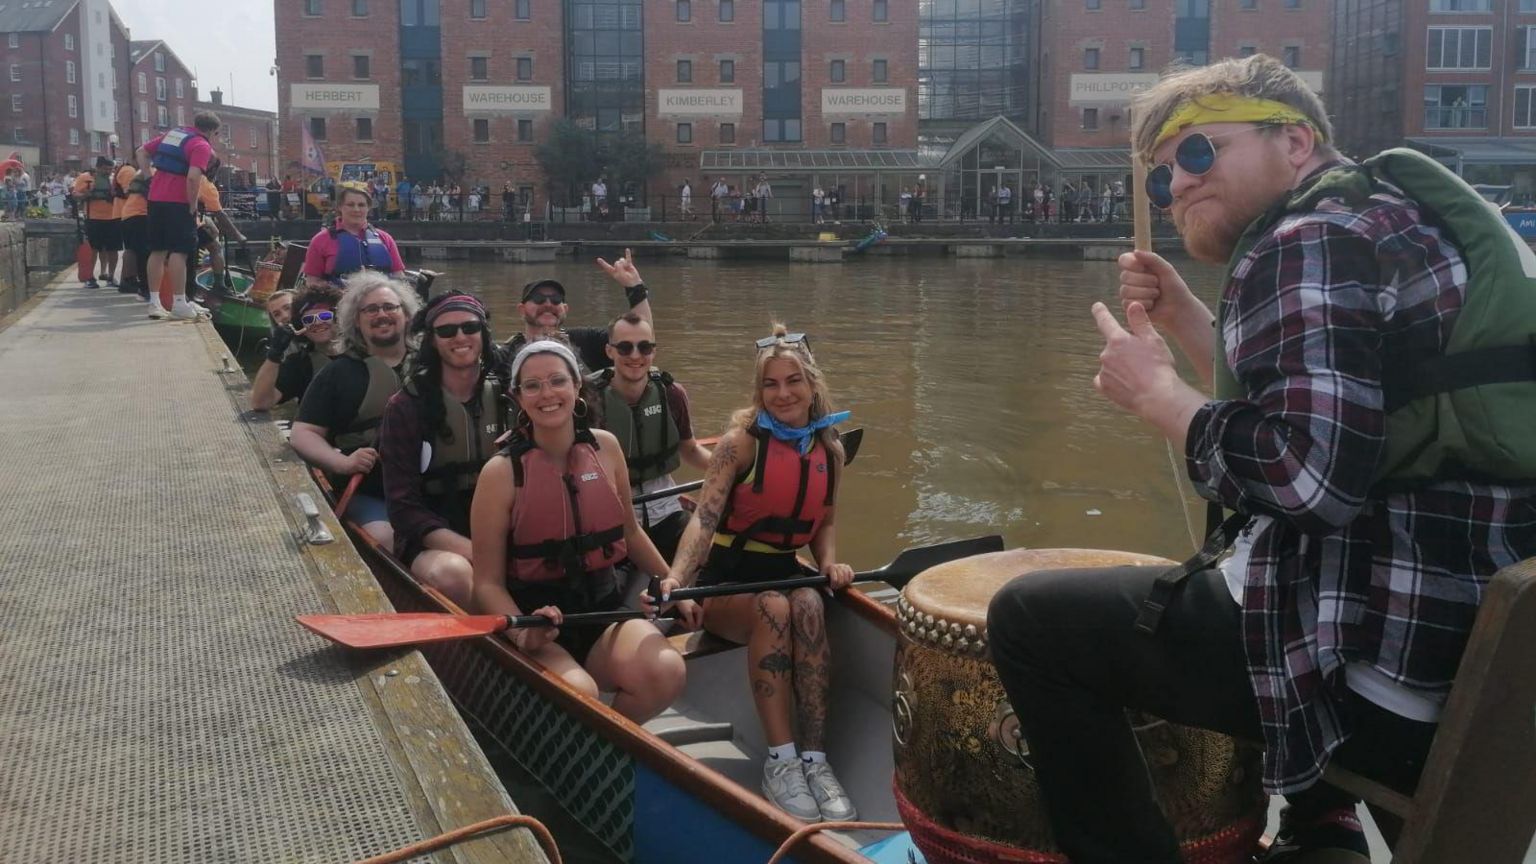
851	440
389	630
346	496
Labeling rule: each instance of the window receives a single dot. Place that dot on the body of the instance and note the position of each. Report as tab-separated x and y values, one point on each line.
727	71
477	8
1525	6
839	10
1459	48
684	13
1090	58
162	116
1250	4
359	8
877	135
69	41
685	71
781	129
312	7
1246	50
317	128
159	62
727	133
1092	5
95	142
685	133
1525	116
882	11
479	68
1138	58
15	72
314	65
360	66
881	69
69	71
364	130
1293	4
1528	55
521	10
160	89
838	71
727	10
14	41
74	137
143	83
253	136
1291	56
1459	5
143	111
1090	119
525	68
1456	106
1137	4
74	106
181	115
524	129
839	133
16	102
181	88
481	133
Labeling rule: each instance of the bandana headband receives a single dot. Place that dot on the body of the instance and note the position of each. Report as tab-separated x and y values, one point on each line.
1230	108
458	303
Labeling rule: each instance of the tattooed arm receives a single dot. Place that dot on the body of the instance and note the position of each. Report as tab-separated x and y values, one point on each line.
824	544
733	453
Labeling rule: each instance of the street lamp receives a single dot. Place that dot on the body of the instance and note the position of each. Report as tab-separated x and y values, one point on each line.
112	145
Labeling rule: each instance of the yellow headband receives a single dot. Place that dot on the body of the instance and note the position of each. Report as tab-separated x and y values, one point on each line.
1229	108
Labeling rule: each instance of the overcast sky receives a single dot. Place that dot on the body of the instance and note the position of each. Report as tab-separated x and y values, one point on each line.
216	40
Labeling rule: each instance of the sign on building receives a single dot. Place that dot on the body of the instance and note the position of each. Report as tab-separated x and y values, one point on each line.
698	103
1109	88
482	98
341	97
862	102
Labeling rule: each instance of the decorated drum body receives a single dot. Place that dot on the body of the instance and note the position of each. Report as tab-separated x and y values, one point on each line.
964	784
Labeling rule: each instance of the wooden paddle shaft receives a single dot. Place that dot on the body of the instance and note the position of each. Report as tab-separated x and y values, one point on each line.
1141	208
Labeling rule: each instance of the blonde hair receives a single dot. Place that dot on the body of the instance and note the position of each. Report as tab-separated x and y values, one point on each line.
1260	76
821	395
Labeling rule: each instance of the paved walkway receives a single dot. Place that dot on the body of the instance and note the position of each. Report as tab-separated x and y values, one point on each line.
159	704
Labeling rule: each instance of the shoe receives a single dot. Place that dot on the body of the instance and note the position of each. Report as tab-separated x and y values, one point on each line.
91	283
1333	837
181	310
130	288
200	309
158	312
111	283
784	785
831	800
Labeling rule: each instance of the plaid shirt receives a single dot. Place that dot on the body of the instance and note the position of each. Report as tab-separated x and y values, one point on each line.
1340	573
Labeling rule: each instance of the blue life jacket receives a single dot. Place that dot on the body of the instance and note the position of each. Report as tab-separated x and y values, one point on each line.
171	153
353	254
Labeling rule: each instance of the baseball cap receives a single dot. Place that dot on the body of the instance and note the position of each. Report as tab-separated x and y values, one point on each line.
542	283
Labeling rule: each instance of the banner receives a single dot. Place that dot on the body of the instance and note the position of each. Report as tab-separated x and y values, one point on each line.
311	158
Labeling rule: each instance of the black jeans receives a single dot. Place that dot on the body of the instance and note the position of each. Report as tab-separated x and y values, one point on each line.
1071	660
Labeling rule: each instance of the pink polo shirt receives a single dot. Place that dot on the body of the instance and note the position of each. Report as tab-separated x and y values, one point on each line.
165	186
322	254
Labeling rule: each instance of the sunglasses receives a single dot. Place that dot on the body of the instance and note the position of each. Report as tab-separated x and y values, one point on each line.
311	318
628	348
546	298
468	328
1196	155
534	386
787	338
376	308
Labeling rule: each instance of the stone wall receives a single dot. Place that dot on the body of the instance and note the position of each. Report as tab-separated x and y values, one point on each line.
13	266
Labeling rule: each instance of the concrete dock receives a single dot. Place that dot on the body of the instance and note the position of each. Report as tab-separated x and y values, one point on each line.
160	704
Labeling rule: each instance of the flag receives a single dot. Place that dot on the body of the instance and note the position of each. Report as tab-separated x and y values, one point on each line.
312	159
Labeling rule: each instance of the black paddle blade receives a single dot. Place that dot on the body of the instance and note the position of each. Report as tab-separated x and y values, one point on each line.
914	561
851	441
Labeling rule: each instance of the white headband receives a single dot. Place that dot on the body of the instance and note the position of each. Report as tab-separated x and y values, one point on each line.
544	346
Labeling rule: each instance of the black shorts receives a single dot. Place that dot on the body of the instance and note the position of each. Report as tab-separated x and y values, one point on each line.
667	533
136	234
172	228
577	640
727	566
104	235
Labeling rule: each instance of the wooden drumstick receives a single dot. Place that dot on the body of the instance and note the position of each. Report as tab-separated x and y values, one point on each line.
1142	213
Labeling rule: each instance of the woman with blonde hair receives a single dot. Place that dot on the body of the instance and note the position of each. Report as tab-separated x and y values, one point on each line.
771	489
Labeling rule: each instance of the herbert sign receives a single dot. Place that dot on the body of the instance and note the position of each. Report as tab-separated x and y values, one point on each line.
480	98
1111	89
693	103
342	97
879	100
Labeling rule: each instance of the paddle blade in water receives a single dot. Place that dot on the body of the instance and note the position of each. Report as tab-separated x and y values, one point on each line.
390	629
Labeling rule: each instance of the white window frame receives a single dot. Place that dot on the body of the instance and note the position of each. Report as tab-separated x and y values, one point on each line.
69	41
159	61
74	105
1458	7
181	115
74	137
143	111
69	72
253	136
181	88
1530	107
15	71
1483	40
1528	56
143	83
160	91
14	40
162	116
16	103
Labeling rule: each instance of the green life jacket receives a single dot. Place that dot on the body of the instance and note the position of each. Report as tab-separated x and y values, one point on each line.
646	430
448	479
101	186
363	431
1464	414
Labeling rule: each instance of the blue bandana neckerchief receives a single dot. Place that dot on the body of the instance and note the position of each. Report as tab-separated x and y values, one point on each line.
799	436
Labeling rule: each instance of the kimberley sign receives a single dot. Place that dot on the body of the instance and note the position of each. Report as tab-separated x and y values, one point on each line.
686	103
879	100
345	97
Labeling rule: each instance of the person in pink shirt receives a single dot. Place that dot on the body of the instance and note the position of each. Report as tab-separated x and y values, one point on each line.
350	243
180	158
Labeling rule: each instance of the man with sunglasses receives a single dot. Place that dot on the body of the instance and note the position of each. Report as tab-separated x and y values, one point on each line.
649	413
544	310
1327	618
295	355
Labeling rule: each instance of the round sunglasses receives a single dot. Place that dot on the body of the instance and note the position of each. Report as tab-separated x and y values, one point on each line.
448	331
1196	155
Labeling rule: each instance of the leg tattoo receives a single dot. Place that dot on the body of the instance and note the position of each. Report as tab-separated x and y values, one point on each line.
812	663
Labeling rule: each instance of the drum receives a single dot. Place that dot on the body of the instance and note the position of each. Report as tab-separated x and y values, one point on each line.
964	785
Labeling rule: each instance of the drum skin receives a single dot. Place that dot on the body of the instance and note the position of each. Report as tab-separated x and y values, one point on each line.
962	766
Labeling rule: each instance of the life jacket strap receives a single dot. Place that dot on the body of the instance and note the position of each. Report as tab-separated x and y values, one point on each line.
1402	383
1168	584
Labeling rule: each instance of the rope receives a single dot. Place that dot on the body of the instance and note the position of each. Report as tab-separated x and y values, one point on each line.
1178	489
458	835
824	826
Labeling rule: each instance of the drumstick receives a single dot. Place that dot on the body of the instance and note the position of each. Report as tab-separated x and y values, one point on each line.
1142	214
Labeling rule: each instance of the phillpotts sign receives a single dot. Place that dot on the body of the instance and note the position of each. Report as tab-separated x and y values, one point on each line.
481	98
342	97
883	100
1111	89
694	103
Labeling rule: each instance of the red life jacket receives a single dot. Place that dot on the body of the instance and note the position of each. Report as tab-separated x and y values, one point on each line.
566	520
787	498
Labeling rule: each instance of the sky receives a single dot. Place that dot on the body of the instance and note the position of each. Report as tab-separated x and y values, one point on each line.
215	39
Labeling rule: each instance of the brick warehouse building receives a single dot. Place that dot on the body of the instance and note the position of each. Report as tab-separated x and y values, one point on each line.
725	87
164	90
247	140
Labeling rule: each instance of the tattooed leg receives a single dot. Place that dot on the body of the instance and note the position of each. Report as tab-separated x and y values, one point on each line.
812	659
768	654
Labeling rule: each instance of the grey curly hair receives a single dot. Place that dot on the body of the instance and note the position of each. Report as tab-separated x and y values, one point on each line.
355	288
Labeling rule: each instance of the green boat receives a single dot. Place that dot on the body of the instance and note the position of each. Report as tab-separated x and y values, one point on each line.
234	309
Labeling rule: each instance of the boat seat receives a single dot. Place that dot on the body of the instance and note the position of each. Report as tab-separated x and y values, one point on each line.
696	733
1476	800
700	644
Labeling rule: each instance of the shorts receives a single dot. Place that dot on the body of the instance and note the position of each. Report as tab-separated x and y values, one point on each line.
104	235
578	640
667	533
135	231
744	566
172	228
363	509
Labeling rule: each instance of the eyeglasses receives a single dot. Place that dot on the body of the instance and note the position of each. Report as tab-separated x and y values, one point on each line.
309	318
376	308
448	331
627	348
533	386
546	298
1196	155
787	338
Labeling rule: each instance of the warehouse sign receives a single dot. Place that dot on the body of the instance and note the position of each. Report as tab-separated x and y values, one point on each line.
849	101
1110	88
343	97
695	103
481	98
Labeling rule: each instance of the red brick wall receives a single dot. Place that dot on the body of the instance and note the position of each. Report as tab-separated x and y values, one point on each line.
235	139
858	41
44	120
186	104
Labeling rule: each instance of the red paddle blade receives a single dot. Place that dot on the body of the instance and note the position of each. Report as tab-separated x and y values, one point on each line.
390	629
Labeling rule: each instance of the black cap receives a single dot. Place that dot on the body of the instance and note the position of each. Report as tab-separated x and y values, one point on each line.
542	283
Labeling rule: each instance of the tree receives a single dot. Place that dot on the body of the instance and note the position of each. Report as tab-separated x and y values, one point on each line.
454	164
569	157
573	156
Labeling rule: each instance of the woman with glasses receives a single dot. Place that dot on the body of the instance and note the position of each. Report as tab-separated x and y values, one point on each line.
350	243
436	435
771	489
296	354
550	519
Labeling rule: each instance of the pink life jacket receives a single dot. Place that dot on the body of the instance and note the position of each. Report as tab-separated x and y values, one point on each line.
566	520
785	499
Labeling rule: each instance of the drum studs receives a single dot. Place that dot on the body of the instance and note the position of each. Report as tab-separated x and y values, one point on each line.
962	645
947	641
970	631
954	630
927	619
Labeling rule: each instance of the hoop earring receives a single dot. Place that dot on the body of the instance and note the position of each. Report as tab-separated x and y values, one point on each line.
581	411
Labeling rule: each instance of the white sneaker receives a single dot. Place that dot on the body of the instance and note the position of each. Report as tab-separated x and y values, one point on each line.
784	785
181	310
156	311
831	800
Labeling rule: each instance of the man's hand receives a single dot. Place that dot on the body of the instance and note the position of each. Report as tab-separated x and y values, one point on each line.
360	461
622	270
1147	278
1135	368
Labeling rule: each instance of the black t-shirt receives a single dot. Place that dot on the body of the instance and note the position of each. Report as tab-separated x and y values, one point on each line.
589	343
295	374
332	401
